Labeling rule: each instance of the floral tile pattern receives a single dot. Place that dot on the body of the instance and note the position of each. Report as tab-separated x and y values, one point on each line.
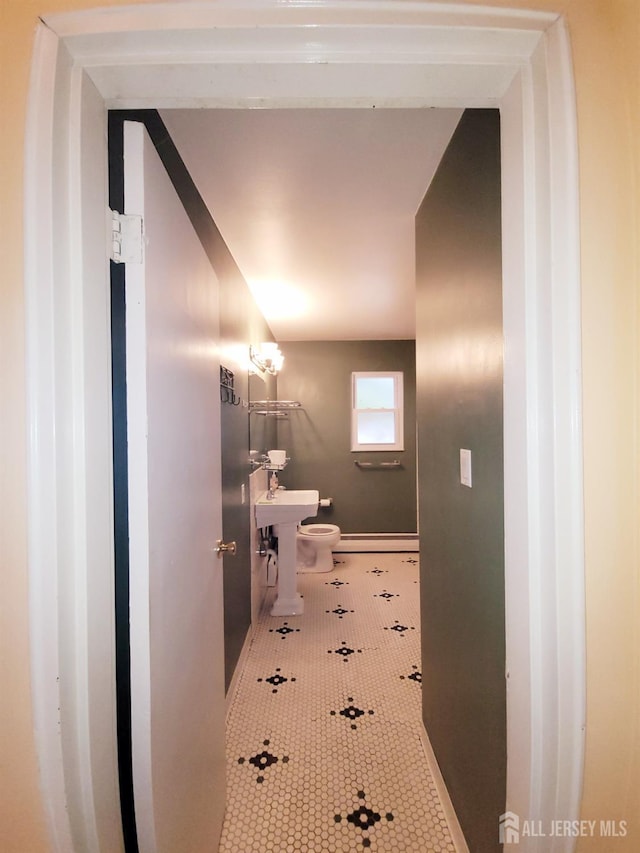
327	757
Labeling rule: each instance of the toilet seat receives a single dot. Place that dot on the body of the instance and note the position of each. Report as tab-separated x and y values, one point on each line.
317	531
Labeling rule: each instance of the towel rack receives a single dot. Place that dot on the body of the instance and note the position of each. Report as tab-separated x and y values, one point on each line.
395	464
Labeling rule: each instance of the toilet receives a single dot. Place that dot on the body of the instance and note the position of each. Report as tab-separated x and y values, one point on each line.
314	544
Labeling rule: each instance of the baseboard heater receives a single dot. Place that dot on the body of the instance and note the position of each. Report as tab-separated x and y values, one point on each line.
378	542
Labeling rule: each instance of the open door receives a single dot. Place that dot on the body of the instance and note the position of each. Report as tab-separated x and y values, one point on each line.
175	519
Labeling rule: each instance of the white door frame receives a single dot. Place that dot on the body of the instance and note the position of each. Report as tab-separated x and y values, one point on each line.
261	53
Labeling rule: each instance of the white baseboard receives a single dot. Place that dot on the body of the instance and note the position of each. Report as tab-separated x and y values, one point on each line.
377	542
457	835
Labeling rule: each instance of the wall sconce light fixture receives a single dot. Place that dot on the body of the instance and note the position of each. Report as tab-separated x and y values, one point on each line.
267	357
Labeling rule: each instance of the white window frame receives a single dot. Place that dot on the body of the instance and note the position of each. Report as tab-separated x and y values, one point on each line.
398	409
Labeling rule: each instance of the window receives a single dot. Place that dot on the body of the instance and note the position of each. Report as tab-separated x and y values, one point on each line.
376	411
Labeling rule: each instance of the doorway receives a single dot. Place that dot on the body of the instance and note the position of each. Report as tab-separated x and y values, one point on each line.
462	379
409	58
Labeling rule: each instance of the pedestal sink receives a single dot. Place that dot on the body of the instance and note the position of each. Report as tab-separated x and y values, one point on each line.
284	512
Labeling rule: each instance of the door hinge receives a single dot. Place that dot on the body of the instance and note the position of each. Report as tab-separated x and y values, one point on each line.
126	238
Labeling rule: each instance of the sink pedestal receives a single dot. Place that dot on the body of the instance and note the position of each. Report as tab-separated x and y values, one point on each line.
288	602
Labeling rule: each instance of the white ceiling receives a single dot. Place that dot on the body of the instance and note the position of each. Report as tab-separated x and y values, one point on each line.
317	207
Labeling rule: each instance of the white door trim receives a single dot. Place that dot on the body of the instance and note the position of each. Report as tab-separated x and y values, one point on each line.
387	53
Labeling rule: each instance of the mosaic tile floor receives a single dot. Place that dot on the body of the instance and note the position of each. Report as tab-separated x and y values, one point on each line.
324	748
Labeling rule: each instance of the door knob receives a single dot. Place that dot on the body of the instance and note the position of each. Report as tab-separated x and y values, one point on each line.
228	547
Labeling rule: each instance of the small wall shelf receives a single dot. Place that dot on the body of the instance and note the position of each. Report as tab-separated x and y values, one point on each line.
270	466
274	408
265	462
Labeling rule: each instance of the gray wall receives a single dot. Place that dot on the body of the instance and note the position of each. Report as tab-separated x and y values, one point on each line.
459	380
318	439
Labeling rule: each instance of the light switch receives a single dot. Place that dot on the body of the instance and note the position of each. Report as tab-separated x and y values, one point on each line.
465	467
